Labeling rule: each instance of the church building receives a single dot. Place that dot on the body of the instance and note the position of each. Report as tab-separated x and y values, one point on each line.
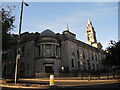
47	52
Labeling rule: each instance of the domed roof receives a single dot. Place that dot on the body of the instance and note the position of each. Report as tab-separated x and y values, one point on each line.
48	33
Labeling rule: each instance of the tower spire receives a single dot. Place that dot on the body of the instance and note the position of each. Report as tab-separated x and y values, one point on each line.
89	22
90	33
91	36
67	27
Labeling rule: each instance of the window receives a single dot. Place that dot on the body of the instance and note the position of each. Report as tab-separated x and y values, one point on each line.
73	53
28	52
92	57
38	50
73	63
15	52
22	68
78	53
83	54
88	55
93	66
97	67
27	66
57	50
96	57
23	51
84	65
48	50
89	66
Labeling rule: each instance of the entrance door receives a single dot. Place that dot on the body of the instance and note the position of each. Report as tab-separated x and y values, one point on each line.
48	69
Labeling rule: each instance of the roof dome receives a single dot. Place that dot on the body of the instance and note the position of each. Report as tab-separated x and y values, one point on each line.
48	33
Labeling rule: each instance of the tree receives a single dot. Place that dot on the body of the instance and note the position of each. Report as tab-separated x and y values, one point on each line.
7	25
113	54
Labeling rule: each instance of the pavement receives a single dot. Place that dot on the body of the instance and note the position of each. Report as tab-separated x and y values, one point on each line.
114	86
61	83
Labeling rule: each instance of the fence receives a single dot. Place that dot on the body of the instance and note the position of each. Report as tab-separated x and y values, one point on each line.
80	76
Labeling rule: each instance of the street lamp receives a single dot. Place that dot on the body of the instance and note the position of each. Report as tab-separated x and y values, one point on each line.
18	50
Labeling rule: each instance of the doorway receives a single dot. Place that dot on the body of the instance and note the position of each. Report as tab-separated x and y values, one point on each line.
48	69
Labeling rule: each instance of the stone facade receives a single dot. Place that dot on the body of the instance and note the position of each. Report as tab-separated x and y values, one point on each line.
47	52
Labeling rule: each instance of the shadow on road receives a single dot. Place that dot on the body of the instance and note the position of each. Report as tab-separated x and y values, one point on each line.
114	86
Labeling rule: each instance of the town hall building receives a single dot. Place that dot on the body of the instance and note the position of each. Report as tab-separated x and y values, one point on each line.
48	52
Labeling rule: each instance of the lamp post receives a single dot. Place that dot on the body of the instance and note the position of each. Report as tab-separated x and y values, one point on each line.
18	49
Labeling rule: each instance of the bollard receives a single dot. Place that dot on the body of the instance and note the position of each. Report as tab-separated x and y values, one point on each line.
52	80
89	78
99	77
81	77
107	76
113	76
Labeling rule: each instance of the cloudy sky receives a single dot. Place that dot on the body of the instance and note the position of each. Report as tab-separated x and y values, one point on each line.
39	16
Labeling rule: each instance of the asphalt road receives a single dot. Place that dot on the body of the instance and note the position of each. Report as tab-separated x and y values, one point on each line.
114	86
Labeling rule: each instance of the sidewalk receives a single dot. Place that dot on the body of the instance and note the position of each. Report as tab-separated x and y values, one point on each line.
67	83
43	83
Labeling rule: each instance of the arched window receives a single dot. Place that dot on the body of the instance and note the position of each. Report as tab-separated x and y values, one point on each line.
83	54
38	51
48	50
96	57
73	60
78	53
92	57
73	63
57	50
93	66
23	51
22	68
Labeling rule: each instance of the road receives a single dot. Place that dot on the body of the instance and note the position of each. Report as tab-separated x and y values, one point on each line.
114	86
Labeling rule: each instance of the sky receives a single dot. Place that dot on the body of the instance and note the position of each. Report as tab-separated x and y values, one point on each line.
39	16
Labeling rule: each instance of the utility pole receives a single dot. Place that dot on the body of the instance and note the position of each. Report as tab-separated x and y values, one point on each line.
18	49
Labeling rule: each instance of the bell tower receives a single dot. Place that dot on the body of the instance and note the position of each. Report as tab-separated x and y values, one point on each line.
91	36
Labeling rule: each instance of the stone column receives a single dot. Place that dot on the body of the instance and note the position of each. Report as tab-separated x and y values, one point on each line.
43	50
55	50
52	49
36	51
59	52
40	50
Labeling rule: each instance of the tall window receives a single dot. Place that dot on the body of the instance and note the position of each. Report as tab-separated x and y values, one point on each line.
84	65
93	66
88	62
28	51
15	52
73	63
83	54
23	51
88	55
22	68
92	57
89	66
57	50
38	50
97	67
48	50
78	53
96	57
27	66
